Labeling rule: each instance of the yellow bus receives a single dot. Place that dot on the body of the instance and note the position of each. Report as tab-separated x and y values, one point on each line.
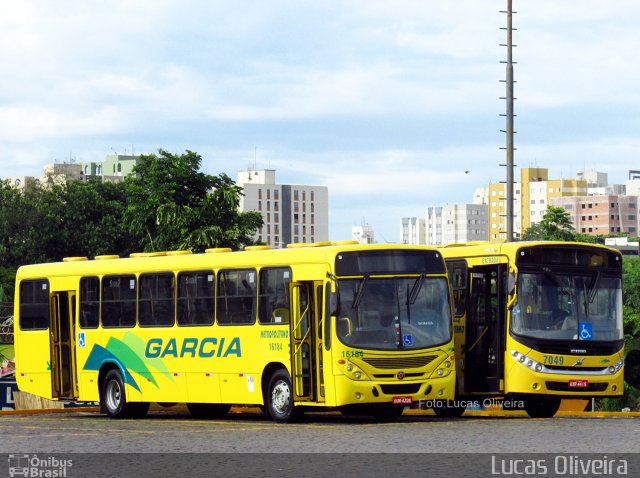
535	322
361	329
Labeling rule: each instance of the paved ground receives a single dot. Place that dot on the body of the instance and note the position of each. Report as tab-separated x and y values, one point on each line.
76	443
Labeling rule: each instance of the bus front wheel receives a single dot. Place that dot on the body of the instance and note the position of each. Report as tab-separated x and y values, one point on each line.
539	407
113	398
279	398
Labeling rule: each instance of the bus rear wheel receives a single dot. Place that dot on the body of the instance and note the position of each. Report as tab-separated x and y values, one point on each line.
279	398
539	407
113	399
208	410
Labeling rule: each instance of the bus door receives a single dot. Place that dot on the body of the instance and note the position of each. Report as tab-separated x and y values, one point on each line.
63	366
306	343
486	316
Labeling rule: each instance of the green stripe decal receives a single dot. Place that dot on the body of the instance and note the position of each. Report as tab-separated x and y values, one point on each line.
129	358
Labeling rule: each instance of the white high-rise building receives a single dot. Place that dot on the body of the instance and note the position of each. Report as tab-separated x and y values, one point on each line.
291	213
433	223
464	223
453	223
412	231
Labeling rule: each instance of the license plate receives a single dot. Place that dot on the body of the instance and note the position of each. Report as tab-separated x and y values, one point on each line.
578	383
402	400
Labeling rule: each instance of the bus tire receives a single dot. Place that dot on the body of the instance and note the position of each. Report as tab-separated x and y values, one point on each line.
113	399
449	410
540	407
208	410
279	398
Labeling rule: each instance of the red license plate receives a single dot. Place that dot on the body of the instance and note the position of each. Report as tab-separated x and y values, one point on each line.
578	383
402	400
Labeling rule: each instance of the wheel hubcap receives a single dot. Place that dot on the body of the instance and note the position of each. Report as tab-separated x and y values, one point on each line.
280	397
113	395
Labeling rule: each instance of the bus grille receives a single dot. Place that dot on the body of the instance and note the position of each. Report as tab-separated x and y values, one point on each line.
564	387
405	388
562	349
399	362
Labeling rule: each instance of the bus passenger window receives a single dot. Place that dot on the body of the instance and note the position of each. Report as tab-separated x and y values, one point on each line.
195	298
156	305
118	306
34	304
274	295
89	302
236	297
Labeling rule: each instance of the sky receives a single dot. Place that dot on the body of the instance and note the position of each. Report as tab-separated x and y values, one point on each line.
394	106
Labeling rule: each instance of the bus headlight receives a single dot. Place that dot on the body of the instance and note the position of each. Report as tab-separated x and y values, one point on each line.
447	364
526	361
357	375
616	366
349	367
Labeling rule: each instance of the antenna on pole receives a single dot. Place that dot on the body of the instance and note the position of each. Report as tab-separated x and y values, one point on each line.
509	132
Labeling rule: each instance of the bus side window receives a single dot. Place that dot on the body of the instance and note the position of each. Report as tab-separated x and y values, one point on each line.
236	297
34	304
457	271
118	306
196	298
156	300
274	295
89	302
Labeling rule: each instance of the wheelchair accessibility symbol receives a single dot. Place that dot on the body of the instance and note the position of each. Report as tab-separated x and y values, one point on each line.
407	340
81	340
586	331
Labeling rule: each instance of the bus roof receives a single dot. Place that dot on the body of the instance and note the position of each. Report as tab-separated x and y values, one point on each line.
509	248
219	257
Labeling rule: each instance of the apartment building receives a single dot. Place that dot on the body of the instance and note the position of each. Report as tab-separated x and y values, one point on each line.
601	215
452	223
496	200
412	231
291	213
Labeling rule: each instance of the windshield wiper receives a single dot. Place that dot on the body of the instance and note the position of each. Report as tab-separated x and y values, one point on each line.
593	290
415	290
360	292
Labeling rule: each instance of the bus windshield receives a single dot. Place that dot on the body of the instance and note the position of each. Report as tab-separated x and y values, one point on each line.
561	306
394	313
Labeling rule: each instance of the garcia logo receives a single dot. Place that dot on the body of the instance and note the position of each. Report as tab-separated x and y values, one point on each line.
193	347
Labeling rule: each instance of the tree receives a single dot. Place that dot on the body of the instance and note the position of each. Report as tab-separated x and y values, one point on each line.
85	218
554	226
173	205
161	180
21	222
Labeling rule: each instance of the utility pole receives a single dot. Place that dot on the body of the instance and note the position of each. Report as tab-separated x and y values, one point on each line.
509	132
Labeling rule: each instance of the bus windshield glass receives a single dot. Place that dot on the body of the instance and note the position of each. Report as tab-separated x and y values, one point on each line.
394	313
561	306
